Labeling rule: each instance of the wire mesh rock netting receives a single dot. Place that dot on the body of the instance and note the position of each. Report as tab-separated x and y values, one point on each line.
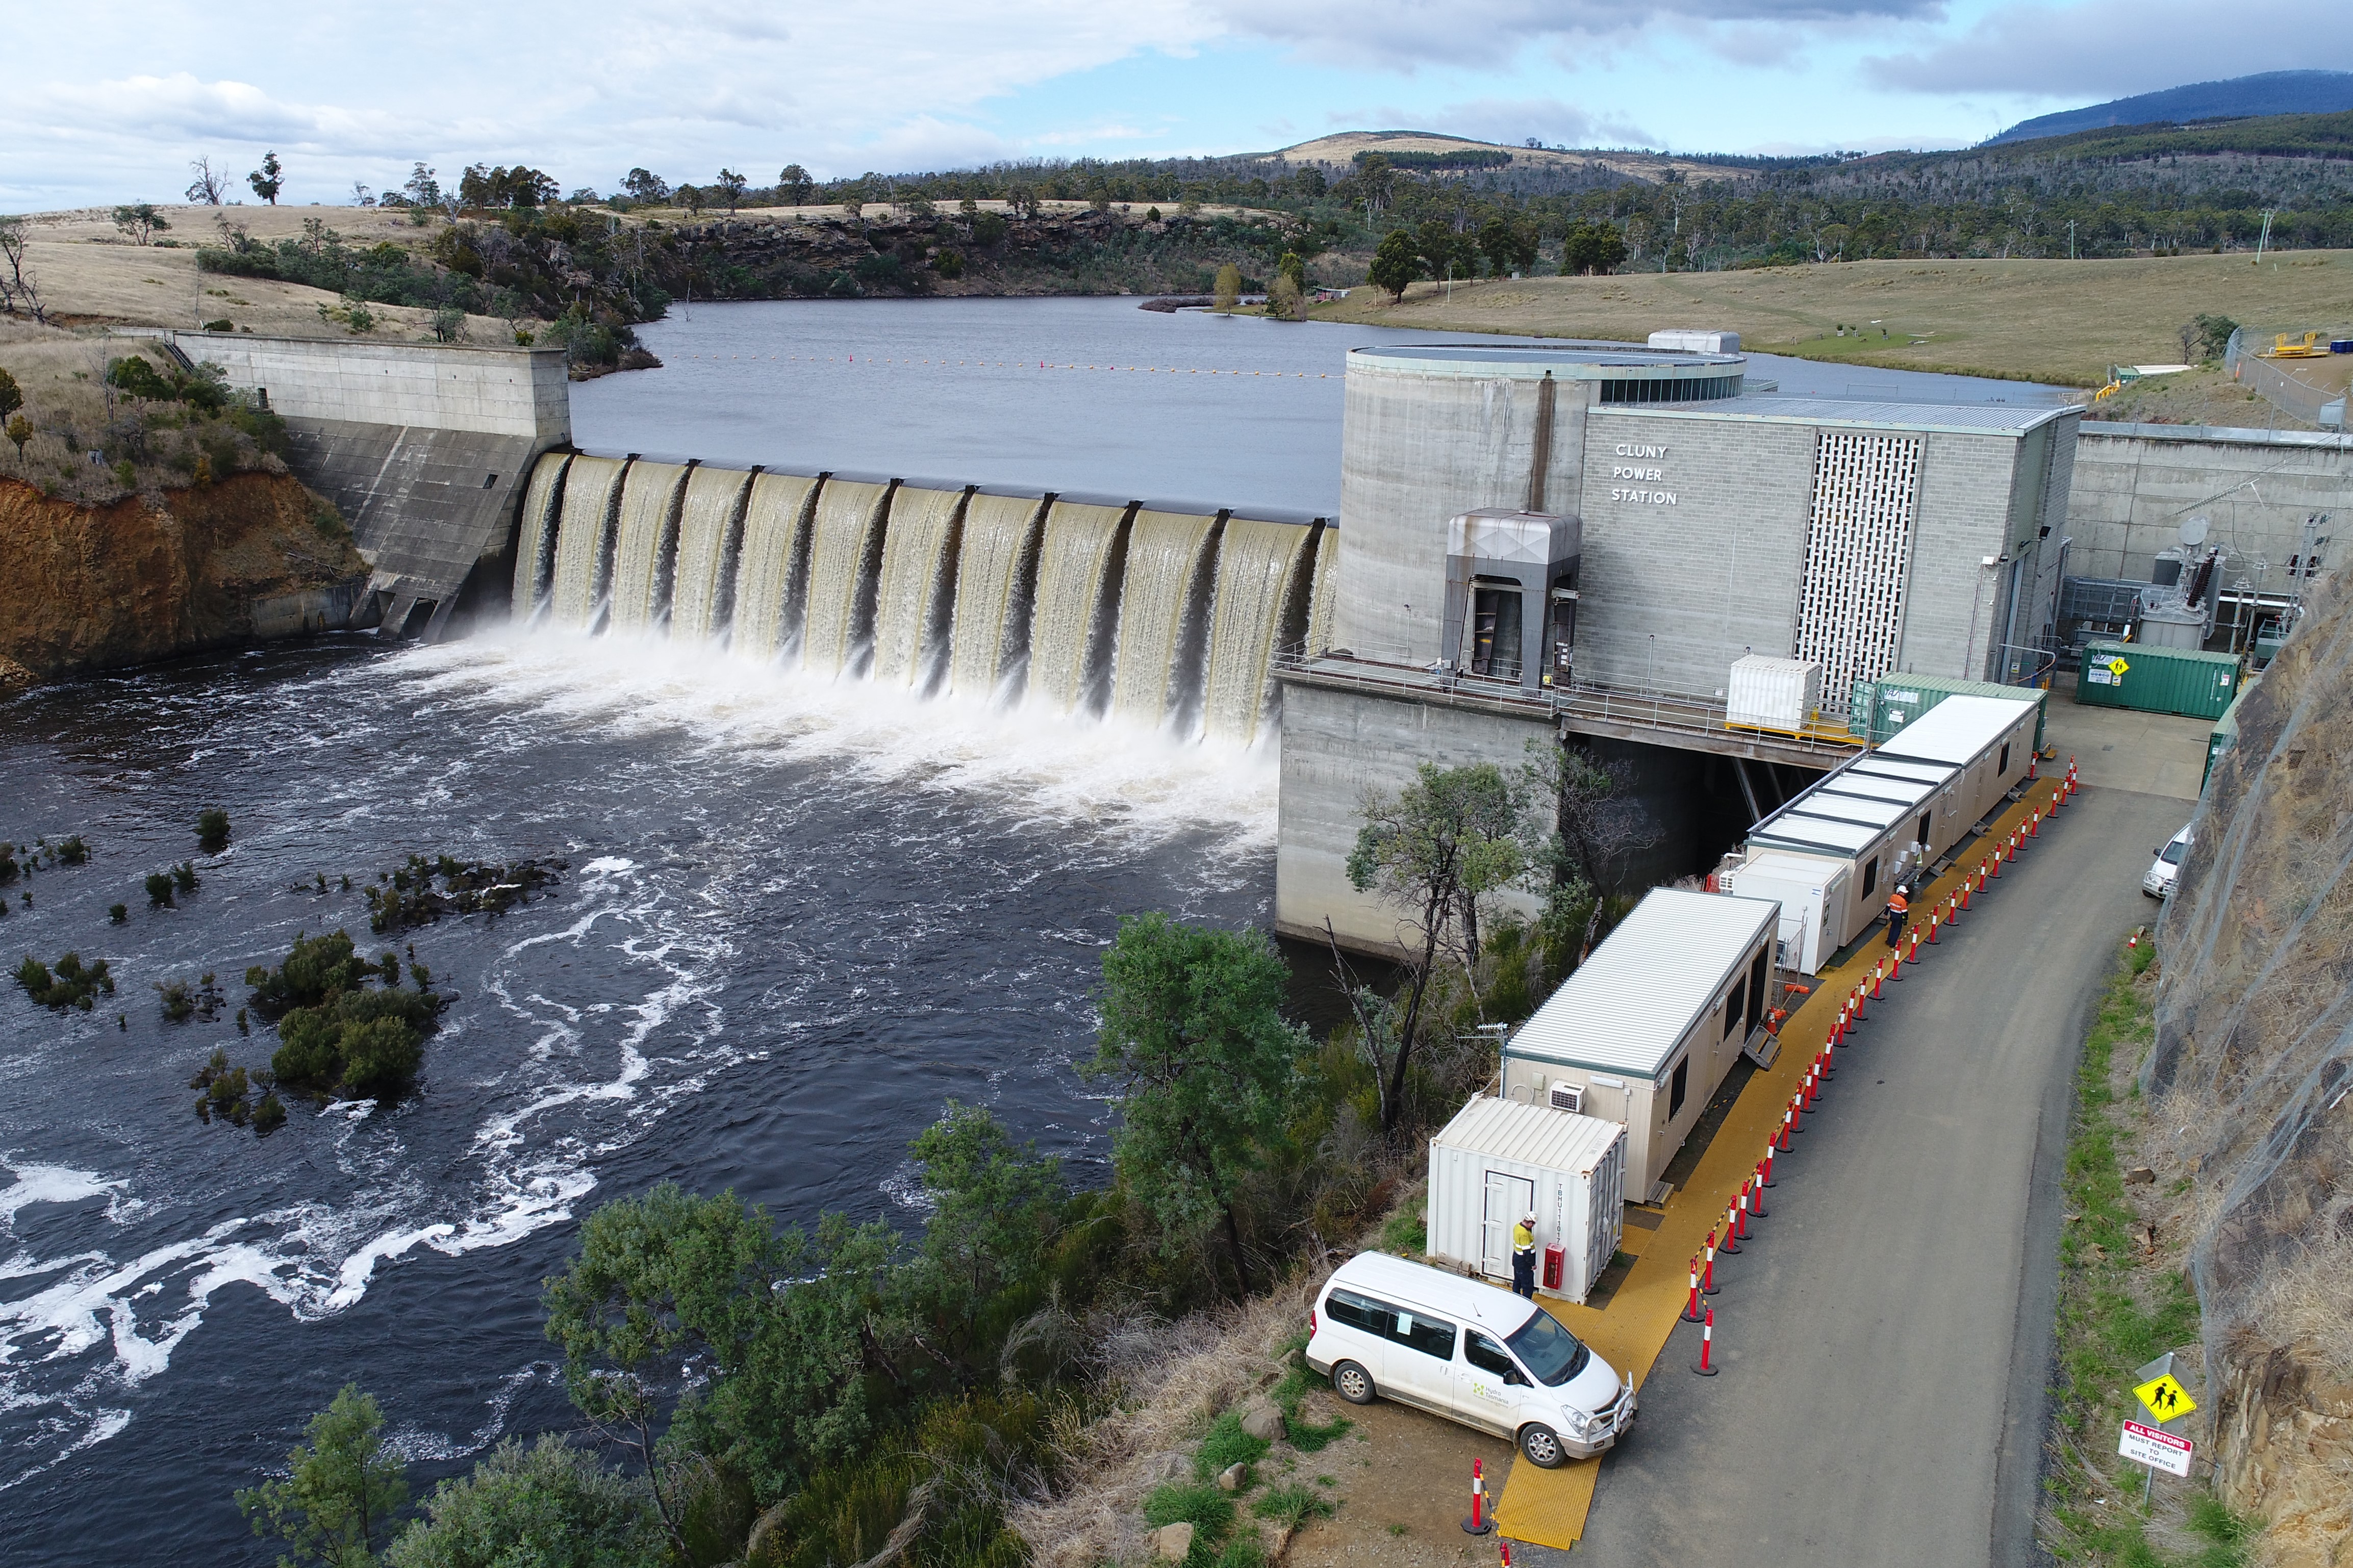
2254	1047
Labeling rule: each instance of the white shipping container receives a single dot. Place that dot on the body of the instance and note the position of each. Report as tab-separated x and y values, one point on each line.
1773	693
1690	341
1813	892
1496	1160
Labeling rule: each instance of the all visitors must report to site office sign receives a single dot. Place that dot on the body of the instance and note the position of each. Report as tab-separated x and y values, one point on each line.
2157	1450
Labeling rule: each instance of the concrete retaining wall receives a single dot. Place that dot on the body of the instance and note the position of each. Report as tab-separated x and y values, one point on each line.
497	392
2136	484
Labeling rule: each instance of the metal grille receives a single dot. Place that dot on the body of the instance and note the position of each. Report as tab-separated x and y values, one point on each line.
1858	550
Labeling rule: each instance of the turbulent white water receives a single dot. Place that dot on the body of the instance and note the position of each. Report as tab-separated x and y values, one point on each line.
1073	569
1158	597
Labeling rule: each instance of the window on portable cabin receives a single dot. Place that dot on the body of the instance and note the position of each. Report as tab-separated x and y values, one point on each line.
1733	1000
1870	877
1676	1088
1759	972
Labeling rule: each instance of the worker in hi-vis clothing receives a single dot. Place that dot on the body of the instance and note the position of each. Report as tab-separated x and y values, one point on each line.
1524	1257
1898	907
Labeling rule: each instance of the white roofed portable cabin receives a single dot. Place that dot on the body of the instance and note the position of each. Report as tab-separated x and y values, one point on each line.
1990	739
1499	1159
1651	1022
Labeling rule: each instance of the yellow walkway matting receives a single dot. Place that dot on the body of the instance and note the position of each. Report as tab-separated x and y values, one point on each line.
1549	1507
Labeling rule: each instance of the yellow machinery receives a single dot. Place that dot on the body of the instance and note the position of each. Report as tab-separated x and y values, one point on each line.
2313	347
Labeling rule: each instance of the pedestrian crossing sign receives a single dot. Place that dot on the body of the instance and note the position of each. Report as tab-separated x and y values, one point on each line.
2118	667
2165	1397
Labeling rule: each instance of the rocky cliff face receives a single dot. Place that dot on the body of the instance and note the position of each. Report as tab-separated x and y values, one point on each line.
92	587
2254	1064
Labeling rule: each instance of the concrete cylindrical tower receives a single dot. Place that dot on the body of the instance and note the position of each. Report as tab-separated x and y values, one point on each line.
1436	430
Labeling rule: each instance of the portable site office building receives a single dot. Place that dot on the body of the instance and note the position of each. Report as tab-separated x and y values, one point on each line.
1648	1025
1832	854
1498	1160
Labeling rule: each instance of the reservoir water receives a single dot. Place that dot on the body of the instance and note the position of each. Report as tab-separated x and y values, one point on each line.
798	914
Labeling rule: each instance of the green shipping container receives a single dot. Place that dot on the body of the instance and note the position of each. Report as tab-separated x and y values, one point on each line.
2226	730
2187	681
1877	708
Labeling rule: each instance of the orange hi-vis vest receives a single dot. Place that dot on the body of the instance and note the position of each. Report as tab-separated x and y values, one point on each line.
1899	905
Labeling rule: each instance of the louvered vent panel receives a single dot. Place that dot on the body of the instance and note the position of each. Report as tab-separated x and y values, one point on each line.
1858	550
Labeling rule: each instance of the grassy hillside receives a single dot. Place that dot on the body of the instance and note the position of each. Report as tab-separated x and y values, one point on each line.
2057	321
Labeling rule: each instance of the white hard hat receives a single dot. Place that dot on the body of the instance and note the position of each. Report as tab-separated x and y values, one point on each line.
1529	1219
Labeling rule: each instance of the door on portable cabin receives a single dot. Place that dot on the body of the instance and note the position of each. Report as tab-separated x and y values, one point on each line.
1508	1197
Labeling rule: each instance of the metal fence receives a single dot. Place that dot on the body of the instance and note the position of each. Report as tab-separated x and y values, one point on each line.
2275	380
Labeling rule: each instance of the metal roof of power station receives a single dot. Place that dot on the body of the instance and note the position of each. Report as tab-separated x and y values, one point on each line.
1956	731
1959	418
1630	1004
1532	1134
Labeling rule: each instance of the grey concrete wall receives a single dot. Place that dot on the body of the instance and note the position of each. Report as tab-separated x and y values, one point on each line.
1671	595
1975	493
1337	744
427	507
2134	485
1419	449
497	392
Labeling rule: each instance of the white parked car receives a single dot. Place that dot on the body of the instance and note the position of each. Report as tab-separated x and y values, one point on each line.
1467	1351
2157	882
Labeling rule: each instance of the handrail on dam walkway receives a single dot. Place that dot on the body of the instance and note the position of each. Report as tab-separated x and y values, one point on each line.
1653	715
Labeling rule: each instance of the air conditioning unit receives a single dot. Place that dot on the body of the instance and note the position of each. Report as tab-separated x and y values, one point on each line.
1569	1097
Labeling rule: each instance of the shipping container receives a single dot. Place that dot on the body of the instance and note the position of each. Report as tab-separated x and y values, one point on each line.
2187	681
1499	1159
1651	1021
2226	732
1990	738
1780	694
1877	708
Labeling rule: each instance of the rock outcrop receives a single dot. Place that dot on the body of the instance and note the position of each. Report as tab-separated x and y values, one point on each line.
2253	1063
96	587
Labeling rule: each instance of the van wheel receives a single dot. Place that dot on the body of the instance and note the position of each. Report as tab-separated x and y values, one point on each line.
1541	1444
1354	1384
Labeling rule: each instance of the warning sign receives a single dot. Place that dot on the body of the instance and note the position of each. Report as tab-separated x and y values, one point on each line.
2165	1399
2117	666
2157	1450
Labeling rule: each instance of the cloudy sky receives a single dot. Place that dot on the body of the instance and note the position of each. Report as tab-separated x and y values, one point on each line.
111	99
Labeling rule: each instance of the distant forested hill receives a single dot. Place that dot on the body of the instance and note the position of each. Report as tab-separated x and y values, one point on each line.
2271	93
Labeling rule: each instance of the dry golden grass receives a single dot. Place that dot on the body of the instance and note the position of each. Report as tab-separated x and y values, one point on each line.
2058	322
2202	397
1342	147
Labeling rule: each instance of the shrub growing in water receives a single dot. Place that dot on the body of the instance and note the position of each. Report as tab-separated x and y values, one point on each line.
184	877
118	914
337	1033
73	851
72	984
159	889
212	830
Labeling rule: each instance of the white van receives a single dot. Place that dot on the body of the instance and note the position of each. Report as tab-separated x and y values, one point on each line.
2158	881
1469	1352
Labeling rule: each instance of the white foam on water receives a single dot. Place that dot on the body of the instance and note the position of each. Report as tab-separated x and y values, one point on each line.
1058	768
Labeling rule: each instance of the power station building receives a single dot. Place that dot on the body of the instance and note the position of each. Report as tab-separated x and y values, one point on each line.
1529	533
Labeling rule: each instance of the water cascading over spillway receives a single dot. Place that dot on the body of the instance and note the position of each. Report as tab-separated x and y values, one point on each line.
1158	597
913	597
709	544
645	543
584	541
1259	568
772	568
1157	617
841	547
1074	565
535	546
992	606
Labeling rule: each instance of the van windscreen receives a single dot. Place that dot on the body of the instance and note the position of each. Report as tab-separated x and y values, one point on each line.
1551	1353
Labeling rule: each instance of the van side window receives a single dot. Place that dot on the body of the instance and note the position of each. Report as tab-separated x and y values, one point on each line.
1870	877
1676	1085
1430	1336
1360	1312
1487	1355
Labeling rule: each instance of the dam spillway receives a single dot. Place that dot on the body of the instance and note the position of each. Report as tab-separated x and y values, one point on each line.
1166	616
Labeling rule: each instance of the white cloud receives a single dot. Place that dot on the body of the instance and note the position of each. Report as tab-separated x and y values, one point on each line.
2109	48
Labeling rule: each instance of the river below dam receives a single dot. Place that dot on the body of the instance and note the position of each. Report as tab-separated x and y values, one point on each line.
798	914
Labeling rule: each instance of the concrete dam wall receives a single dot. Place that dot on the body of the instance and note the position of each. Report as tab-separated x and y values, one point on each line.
1163	613
424	448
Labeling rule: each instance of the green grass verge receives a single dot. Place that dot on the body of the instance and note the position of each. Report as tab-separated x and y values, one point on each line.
1227	1445
2112	1317
1306	1436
